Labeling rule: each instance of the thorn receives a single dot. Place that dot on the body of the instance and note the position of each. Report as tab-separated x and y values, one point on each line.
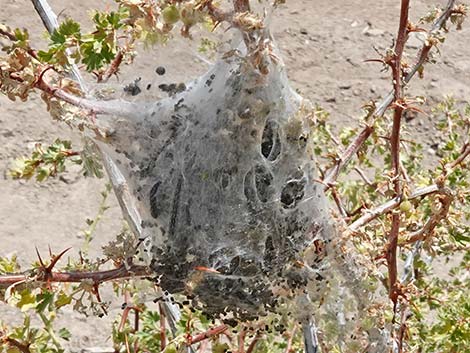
206	269
375	61
40	258
55	259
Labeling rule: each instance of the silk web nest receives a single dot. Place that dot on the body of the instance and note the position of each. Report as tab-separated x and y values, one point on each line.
224	179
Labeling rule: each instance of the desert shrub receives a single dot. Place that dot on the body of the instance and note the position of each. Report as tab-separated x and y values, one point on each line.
281	267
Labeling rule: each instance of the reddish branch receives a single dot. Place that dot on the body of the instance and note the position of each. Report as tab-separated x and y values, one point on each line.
205	335
291	340
253	343
96	277
23	348
422	58
65	96
399	105
348	154
445	199
113	68
162	327
241	5
370	215
463	154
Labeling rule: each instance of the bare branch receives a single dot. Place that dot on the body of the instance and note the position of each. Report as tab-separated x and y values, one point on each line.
253	343
162	327
113	67
23	348
208	334
396	65
464	154
382	107
346	157
122	272
370	215
445	200
291	339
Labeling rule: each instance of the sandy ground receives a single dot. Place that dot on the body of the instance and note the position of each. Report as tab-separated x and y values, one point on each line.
324	44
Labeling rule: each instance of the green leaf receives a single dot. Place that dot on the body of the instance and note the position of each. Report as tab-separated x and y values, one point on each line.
63	299
67	28
27	301
45	300
64	334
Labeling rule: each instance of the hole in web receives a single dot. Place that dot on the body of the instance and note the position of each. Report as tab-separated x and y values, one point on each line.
271	142
263	182
258	184
292	193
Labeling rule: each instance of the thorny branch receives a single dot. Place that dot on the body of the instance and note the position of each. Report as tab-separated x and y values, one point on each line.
381	108
208	334
122	272
440	213
399	106
253	343
23	348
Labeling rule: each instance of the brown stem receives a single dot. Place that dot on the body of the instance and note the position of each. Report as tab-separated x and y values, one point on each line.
241	5
391	249
464	154
253	343
208	334
113	68
291	340
445	200
346	157
423	55
370	215
241	340
162	327
97	276
12	37
339	204
23	348
66	97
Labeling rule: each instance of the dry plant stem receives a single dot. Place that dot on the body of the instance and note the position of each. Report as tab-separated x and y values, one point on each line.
391	249
253	343
370	215
241	340
208	334
291	340
346	157
113	69
23	348
162	327
464	154
352	149
445	200
339	204
97	277
241	5
388	206
403	326
12	37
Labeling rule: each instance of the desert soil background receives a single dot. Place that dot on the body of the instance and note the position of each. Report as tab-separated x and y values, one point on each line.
324	44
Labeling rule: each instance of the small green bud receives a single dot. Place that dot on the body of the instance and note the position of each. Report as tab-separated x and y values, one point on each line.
220	347
406	206
170	15
171	349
